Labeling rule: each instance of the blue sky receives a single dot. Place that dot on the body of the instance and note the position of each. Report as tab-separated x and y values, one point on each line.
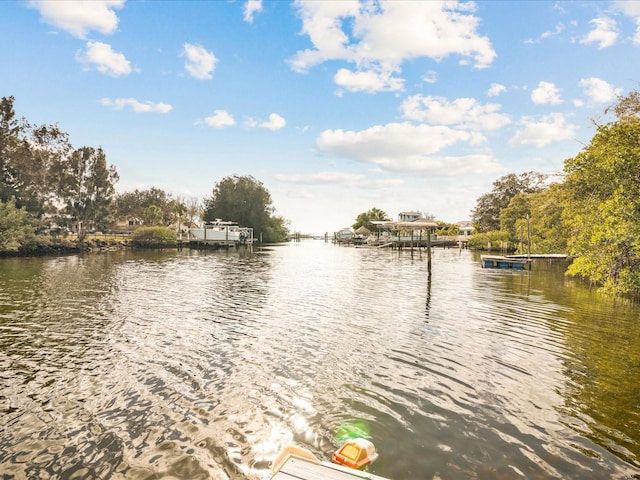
337	107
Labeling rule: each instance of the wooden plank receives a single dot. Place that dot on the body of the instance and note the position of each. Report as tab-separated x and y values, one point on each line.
298	469
283	476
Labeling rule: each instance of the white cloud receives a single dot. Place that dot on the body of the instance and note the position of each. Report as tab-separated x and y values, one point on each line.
352	180
137	106
631	9
251	8
219	119
549	33
200	63
79	17
367	81
331	178
548	129
604	33
496	89
599	91
467	113
275	122
628	7
405	147
387	33
546	93
104	59
250	122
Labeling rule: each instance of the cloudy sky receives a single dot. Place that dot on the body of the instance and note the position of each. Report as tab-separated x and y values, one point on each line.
336	106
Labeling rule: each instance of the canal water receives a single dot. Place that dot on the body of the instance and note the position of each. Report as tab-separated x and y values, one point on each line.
196	365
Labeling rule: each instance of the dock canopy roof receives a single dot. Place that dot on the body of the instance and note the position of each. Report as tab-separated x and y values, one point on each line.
416	225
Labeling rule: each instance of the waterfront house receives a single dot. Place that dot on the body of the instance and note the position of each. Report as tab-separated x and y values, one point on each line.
409	216
465	228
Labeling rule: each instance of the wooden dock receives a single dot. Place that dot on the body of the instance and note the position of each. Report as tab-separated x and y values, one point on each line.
196	244
298	463
497	261
296	468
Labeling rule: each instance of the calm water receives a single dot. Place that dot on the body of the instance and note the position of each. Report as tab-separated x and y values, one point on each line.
203	365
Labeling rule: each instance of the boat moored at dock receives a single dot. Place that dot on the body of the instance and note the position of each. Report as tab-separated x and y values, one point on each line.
221	233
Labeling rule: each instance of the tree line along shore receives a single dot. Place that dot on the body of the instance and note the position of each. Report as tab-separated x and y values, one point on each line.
54	195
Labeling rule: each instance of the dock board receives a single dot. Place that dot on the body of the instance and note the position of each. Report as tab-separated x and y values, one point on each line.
299	469
494	261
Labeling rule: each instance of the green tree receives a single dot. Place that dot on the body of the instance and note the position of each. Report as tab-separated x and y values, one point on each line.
86	187
135	206
486	215
16	226
11	130
27	154
152	216
277	229
245	200
511	217
447	229
547	230
602	210
536	218
365	218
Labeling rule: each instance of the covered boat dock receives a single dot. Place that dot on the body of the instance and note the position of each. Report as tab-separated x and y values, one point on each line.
402	234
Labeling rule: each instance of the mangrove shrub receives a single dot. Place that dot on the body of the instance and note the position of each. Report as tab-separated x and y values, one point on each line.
153	237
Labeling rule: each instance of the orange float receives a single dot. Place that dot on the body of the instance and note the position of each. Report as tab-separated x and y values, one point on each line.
355	453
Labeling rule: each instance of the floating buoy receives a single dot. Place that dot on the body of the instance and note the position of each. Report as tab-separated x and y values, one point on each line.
355	453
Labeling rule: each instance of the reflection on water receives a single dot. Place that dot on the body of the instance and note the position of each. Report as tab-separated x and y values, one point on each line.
204	364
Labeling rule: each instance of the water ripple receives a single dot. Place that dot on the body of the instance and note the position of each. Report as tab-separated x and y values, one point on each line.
204	364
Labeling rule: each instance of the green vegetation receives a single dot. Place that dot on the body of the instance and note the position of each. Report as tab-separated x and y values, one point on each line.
494	240
486	216
16	227
50	188
86	187
594	215
602	211
447	229
155	207
365	218
245	200
154	237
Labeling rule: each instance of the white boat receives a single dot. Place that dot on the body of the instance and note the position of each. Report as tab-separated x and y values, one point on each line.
222	232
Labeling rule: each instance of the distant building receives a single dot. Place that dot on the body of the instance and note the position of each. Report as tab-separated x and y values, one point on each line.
409	216
465	228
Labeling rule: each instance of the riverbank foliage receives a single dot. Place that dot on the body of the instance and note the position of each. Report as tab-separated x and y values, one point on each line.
602	210
53	194
593	214
364	219
153	237
16	227
245	200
